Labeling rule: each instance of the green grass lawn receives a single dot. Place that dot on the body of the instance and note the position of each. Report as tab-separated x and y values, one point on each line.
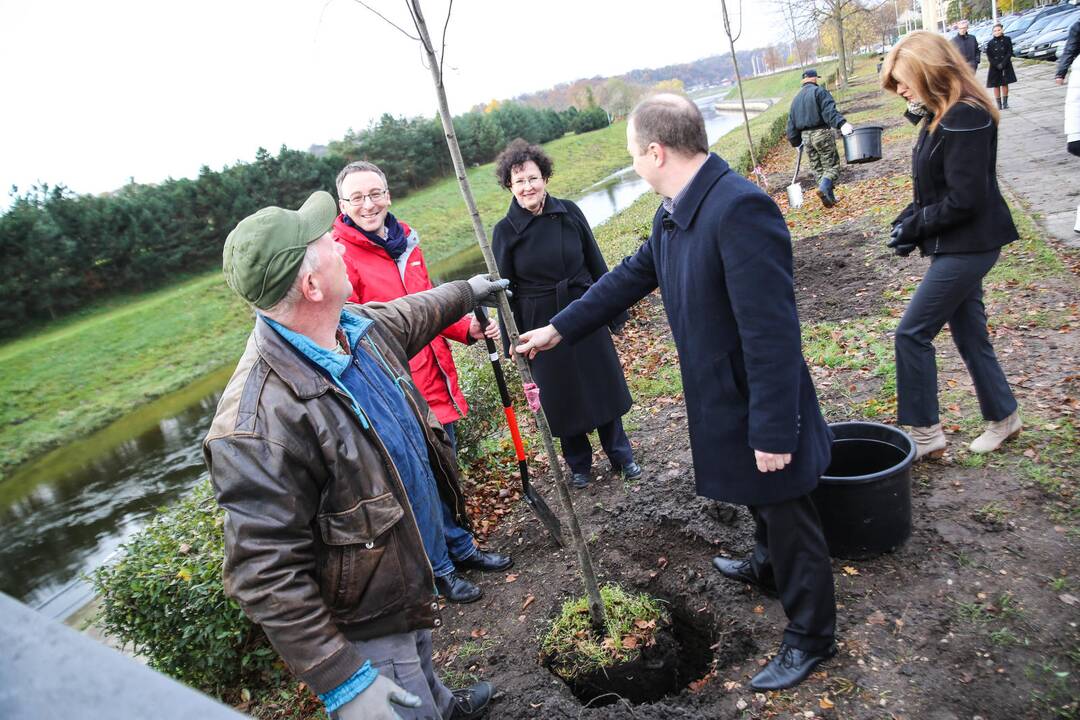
76	375
59	385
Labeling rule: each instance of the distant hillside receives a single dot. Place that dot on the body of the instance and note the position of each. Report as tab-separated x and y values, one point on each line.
707	71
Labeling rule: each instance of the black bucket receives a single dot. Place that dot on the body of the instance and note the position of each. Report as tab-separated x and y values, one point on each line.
864	497
863	145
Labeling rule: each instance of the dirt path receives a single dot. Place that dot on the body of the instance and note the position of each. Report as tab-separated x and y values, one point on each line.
975	617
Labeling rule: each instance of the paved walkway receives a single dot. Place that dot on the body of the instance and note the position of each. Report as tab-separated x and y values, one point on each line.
1032	159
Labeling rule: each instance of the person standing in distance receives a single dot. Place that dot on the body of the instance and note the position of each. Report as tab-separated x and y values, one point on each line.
811	120
967	45
721	255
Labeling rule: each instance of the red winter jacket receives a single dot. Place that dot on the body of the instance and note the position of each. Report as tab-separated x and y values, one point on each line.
375	277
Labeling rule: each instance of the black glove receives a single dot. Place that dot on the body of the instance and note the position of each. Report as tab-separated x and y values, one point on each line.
484	289
900	245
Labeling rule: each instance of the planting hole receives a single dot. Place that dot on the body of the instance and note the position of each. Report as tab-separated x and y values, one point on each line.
681	654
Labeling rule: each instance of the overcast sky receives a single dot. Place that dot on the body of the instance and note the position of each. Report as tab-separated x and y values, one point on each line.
97	92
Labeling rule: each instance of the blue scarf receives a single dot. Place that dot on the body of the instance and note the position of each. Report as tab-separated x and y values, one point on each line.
395	242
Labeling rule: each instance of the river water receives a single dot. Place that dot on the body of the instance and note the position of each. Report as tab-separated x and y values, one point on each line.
68	512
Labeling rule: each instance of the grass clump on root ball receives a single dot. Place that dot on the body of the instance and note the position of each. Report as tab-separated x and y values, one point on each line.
572	647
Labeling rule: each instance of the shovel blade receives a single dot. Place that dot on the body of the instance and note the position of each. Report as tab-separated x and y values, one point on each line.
539	507
547	518
794	195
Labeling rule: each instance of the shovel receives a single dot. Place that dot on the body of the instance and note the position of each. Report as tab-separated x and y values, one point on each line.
535	502
794	190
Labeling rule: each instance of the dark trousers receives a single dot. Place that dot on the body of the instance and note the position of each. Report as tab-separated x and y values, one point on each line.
951	292
791	551
577	451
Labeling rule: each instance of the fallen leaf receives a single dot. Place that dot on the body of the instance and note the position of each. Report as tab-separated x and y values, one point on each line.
825	703
876	618
1068	599
478	633
644	624
528	601
848	570
759	610
630	642
662	562
184	549
511	577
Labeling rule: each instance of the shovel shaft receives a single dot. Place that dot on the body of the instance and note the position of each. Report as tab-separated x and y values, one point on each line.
798	163
515	433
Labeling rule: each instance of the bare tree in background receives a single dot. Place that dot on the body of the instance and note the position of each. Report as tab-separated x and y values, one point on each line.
799	25
434	64
837	13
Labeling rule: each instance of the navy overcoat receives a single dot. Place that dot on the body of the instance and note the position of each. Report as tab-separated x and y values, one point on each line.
723	264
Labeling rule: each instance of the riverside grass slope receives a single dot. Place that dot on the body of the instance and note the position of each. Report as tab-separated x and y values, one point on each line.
74	376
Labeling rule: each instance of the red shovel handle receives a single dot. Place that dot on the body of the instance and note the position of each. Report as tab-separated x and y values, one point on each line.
511	420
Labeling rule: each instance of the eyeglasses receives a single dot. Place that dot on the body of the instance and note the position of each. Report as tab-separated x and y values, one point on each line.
376	196
522	182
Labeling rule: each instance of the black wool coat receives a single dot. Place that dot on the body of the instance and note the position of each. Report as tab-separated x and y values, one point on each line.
957	207
999	52
550	260
723	263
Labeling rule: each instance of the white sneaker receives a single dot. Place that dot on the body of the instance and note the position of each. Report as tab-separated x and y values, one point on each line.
929	441
997	433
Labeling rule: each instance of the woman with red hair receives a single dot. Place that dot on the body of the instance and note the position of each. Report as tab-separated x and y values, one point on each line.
959	218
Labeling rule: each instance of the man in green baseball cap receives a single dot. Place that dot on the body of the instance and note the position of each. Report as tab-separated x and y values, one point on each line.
323	454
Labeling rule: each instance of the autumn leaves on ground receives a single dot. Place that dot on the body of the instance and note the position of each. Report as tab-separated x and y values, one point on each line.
976	616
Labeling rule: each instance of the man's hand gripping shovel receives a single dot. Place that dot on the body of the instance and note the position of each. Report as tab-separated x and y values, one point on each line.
535	502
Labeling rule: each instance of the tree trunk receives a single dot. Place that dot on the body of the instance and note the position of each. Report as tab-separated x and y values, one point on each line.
742	100
588	574
842	48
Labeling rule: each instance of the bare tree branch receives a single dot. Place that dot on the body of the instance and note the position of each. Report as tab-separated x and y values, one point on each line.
387	20
442	53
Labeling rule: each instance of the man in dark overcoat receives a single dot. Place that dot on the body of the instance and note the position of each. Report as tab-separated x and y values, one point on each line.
721	255
967	45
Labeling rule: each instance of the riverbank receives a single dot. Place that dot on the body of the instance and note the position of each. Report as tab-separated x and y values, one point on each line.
70	379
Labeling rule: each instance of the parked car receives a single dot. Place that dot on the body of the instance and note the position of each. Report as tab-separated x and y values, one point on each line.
1022	42
1043	47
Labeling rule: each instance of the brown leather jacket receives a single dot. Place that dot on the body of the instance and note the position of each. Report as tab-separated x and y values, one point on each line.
321	546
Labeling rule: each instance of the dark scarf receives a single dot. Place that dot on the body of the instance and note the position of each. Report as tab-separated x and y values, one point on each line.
395	242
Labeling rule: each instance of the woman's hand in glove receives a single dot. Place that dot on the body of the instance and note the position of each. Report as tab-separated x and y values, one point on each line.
900	244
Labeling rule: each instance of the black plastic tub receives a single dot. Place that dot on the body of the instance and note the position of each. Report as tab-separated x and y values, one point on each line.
863	145
864	497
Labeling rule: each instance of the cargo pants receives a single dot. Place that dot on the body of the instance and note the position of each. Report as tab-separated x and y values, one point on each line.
820	146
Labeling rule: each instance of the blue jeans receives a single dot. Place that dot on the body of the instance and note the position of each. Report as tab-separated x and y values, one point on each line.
456	543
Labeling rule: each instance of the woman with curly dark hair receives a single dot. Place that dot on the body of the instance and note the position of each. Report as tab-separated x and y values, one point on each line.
545	248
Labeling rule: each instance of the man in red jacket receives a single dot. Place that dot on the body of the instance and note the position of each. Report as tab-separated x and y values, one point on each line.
384	262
